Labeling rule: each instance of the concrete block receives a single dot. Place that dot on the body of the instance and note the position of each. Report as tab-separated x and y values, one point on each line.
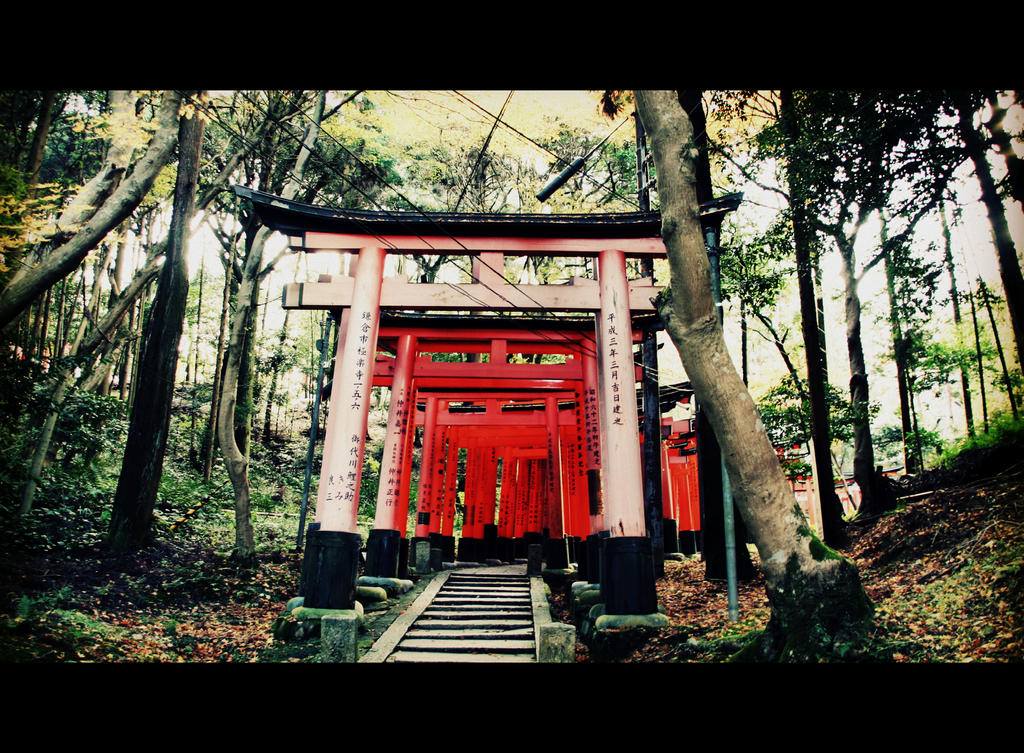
534	559
422	557
339	637
557	643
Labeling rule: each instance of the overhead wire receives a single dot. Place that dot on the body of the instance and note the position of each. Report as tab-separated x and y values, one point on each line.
543	310
558	158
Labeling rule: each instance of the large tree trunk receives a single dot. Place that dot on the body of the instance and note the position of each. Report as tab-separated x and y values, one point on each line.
714	547
132	514
804	242
912	463
235	460
954	296
1009	265
873	500
98	209
817	602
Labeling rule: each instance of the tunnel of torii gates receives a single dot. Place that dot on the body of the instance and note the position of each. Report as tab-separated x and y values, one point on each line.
562	438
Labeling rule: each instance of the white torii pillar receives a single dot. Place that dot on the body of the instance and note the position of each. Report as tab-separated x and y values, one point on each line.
627	573
333	550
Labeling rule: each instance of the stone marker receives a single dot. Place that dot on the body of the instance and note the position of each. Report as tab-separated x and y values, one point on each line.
557	643
339	637
422	557
534	559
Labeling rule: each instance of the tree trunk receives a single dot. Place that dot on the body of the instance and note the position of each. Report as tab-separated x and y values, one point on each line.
804	243
912	463
954	296
713	535
235	460
817	602
977	353
1009	265
987	299
1004	143
274	375
132	513
77	240
208	448
863	448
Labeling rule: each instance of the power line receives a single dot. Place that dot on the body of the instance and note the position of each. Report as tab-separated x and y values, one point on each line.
443	230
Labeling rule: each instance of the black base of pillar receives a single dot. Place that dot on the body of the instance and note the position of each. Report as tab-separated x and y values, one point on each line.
627	576
582	560
518	548
689	542
594	547
504	549
308	556
448	548
670	533
522	543
382	553
403	558
556	553
490	550
330	569
469	549
574	543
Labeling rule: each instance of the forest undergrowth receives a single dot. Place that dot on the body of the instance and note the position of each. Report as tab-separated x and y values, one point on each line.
945	571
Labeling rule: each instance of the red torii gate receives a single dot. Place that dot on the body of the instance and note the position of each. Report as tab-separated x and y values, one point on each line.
628	583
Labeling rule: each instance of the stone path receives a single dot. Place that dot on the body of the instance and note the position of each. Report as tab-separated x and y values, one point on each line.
479	615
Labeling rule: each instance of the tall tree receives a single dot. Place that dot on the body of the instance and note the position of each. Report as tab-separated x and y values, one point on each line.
235	458
967	105
805	245
817	601
100	206
714	545
954	297
142	465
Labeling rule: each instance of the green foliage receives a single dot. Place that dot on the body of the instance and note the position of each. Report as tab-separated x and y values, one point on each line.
757	268
785	411
1003	429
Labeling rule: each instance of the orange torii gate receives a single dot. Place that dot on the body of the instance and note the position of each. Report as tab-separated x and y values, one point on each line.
486	385
628	574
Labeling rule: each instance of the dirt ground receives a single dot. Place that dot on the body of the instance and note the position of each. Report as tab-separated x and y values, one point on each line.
945	571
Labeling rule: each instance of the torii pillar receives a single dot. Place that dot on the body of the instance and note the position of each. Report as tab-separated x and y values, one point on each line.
334	548
627	569
383	547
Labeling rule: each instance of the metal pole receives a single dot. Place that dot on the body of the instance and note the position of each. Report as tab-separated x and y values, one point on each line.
653	502
711	241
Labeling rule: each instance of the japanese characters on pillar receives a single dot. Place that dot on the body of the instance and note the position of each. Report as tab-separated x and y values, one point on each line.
592	434
423	505
339	496
555	507
451	482
393	461
622	479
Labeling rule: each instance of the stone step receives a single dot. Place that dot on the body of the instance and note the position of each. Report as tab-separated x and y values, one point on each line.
461	624
408	657
459	645
471	633
478	610
491	600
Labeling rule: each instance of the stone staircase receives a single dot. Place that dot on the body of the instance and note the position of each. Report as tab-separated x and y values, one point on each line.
468	617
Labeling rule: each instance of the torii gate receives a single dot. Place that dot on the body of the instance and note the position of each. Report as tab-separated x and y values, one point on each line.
487	386
628	578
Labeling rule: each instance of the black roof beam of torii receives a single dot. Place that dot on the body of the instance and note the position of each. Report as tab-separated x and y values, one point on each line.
294	218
